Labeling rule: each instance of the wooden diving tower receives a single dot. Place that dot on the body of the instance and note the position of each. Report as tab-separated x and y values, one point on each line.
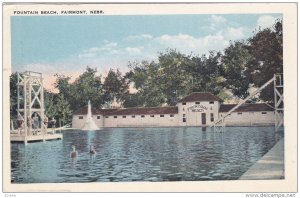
32	124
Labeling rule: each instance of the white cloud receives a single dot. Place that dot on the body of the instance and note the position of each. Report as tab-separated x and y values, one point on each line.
87	55
109	45
186	43
139	37
133	50
93	49
110	48
265	21
115	51
216	21
105	47
234	33
40	67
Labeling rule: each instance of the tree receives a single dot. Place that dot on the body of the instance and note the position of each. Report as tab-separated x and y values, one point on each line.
64	113
63	85
137	74
266	48
235	60
50	107
207	73
131	100
172	75
13	95
87	87
115	86
147	80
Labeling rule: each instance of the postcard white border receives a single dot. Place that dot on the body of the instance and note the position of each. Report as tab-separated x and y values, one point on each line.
289	184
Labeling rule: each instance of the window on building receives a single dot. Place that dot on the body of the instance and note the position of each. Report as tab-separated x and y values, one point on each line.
162	116
211	102
115	116
172	115
210	108
212	117
106	116
133	116
184	103
239	113
263	112
123	116
80	117
183	109
183	115
183	119
142	116
152	116
98	117
197	102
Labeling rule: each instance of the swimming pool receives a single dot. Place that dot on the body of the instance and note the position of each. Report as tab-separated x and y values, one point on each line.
143	154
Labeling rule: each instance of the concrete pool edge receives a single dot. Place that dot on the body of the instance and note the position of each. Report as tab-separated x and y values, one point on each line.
270	166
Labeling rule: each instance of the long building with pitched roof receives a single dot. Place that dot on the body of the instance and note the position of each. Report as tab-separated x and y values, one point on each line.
196	109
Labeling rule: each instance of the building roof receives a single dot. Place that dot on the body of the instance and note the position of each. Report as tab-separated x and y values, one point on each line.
83	111
247	107
145	110
200	96
129	111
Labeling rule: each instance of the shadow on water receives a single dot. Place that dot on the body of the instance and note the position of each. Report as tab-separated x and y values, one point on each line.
149	154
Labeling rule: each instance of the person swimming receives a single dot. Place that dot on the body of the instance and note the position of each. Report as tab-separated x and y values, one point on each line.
92	150
73	153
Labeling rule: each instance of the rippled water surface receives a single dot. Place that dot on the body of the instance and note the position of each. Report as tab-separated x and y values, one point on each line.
150	154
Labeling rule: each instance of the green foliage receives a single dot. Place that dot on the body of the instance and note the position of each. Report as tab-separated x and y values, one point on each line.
267	57
131	100
115	86
13	95
235	60
172	75
206	73
50	107
64	113
57	107
148	81
87	87
73	96
175	76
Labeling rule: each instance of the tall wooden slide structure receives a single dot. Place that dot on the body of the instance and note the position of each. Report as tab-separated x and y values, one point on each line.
277	80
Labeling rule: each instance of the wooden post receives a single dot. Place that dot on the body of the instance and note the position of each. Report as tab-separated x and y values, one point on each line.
278	101
24	107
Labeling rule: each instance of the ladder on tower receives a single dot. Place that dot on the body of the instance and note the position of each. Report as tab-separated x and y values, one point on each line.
219	124
278	101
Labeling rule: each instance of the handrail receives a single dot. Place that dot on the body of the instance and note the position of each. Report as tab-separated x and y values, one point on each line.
243	101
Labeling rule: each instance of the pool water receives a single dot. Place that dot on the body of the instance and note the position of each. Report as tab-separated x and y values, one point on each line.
143	154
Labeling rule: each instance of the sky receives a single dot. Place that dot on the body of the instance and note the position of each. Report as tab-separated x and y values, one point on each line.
68	44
